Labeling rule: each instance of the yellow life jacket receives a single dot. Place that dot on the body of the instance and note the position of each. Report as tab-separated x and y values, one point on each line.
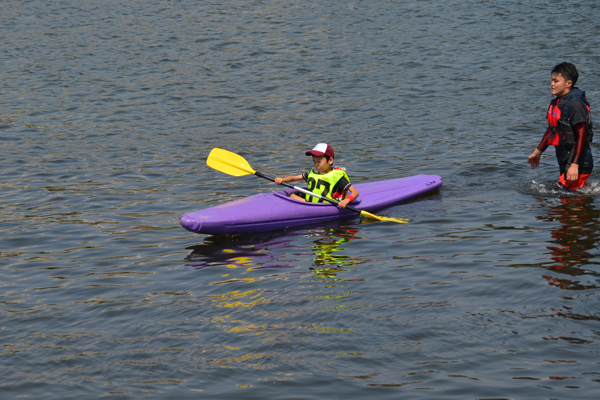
326	185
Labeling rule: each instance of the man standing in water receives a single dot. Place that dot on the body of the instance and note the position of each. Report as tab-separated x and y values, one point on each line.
569	129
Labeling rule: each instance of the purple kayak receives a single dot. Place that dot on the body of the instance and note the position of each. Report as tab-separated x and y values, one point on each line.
271	211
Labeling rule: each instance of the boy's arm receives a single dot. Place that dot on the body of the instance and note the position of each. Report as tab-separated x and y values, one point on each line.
291	178
353	194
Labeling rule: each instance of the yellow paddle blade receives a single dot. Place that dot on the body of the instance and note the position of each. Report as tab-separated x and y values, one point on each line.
379	218
228	163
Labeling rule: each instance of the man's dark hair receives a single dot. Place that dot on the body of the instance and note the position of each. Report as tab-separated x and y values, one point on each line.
567	70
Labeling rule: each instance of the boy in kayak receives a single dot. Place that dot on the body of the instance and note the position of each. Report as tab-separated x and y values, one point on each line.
324	179
569	129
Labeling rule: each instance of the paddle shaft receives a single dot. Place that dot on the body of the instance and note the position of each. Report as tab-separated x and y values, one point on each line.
260	174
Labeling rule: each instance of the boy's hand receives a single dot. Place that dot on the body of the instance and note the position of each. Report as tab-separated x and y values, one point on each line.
278	180
343	203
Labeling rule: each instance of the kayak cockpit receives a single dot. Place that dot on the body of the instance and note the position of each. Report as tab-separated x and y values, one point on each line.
285	194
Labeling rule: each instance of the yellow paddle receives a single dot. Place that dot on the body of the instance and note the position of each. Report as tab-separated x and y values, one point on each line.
236	165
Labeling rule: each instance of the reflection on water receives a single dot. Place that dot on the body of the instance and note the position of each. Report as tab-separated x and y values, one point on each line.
238	251
327	245
272	294
573	240
267	261
327	258
276	251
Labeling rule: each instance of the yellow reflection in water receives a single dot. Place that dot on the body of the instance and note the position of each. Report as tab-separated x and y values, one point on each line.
328	244
245	321
223	300
241	304
237	280
238	359
236	294
250	328
239	262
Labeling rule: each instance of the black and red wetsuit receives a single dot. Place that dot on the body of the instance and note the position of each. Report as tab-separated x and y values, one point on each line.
570	130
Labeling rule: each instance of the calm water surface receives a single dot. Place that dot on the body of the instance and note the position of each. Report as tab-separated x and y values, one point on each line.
108	110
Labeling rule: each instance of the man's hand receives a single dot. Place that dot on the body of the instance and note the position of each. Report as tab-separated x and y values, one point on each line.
534	158
573	173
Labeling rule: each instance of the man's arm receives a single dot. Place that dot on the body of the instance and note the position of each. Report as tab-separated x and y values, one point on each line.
581	138
578	116
534	158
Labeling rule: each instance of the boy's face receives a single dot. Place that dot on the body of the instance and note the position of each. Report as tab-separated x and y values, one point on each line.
560	86
322	164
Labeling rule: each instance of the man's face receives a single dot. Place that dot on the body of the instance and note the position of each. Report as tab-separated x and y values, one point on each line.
560	86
